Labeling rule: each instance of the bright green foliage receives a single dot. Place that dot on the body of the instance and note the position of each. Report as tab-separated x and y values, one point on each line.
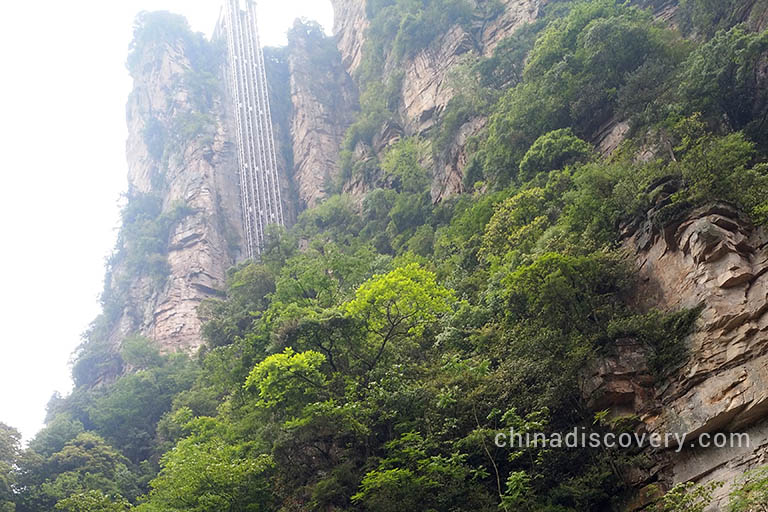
203	473
398	311
571	79
516	225
687	497
402	163
335	336
554	150
287	378
93	501
403	302
10	449
323	276
751	495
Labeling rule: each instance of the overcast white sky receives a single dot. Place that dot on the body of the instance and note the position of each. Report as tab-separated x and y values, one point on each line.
63	89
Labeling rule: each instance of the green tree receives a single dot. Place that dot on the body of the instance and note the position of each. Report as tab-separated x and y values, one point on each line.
204	473
721	79
10	449
567	292
412	478
553	151
128	413
402	163
687	497
283	380
397	306
516	225
87	463
705	17
572	78
751	494
93	501
248	289
57	433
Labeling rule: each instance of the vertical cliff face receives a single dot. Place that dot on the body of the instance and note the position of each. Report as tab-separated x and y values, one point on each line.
713	259
425	89
279	83
182	225
324	102
180	155
350	24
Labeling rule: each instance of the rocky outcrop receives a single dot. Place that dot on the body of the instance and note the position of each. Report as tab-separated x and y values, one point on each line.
324	100
515	14
449	166
350	24
714	259
199	173
425	88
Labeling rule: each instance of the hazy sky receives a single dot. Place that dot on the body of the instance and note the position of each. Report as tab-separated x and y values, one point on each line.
63	90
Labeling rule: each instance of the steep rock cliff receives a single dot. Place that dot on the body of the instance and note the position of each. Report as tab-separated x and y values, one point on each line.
712	259
181	152
324	101
199	173
425	89
349	25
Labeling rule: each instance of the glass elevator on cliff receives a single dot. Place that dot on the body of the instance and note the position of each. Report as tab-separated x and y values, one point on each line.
247	81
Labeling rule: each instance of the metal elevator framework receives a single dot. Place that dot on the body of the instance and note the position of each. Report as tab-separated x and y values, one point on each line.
246	76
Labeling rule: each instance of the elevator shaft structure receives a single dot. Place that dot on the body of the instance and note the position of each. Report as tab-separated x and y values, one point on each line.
246	76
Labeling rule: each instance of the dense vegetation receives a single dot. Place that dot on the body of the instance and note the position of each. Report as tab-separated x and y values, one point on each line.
371	369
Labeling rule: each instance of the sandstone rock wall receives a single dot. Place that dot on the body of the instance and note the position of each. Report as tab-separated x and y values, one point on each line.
713	259
349	25
426	88
324	100
201	174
